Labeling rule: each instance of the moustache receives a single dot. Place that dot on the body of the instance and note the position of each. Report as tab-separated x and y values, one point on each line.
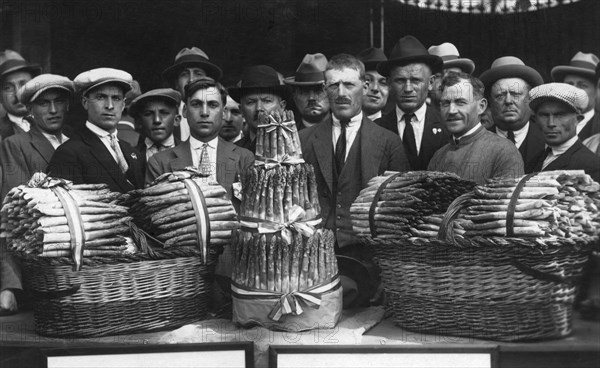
343	101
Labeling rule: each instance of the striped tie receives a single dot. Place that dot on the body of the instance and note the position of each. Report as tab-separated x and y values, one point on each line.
205	167
114	144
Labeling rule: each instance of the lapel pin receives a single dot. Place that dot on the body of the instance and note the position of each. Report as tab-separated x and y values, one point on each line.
134	156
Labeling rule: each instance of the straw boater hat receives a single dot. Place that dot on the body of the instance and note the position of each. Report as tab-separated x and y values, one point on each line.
12	61
167	94
581	64
510	67
371	57
192	57
570	95
90	79
451	58
310	72
258	78
43	82
409	50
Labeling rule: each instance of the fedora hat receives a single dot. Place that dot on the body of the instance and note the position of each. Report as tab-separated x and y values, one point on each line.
191	56
406	51
451	58
371	57
12	61
581	64
261	78
43	82
510	67
90	79
310	72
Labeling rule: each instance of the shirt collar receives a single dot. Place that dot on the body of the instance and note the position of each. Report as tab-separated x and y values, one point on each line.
356	120
50	137
518	133
562	148
169	142
420	113
587	116
197	144
375	116
470	132
127	123
98	131
307	124
14	119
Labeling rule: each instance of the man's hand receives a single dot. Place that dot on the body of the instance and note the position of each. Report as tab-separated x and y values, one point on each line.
8	303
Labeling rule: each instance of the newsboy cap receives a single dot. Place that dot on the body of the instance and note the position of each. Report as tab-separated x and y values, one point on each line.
168	94
570	95
35	87
90	79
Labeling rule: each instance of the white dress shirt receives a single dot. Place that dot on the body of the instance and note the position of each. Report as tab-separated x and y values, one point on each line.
151	148
184	127
559	150
19	121
519	134
418	124
104	137
586	118
351	131
54	141
196	147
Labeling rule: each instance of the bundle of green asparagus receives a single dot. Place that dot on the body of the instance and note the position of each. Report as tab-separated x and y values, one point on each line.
408	204
270	193
551	203
167	211
269	262
34	219
277	138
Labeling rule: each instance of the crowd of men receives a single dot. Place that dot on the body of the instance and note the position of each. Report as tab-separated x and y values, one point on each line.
417	109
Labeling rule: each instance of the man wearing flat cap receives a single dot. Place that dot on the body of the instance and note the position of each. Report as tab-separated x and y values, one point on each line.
593	142
558	108
581	73
507	84
157	112
410	73
378	90
94	154
46	98
190	64
259	90
308	93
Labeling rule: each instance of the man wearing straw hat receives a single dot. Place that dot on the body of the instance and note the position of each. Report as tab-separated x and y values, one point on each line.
581	73
377	94
308	93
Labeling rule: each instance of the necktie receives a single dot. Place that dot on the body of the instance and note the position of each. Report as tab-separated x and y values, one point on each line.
456	140
114	144
511	136
547	153
204	165
408	138
340	147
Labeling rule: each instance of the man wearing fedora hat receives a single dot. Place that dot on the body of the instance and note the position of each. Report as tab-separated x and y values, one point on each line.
259	90
46	98
507	84
94	154
581	73
409	71
377	94
308	93
452	62
190	64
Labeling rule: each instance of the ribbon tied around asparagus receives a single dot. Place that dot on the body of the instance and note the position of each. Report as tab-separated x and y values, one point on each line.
296	222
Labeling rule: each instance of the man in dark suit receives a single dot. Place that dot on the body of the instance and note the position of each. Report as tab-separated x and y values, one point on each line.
409	71
507	83
558	108
94	154
346	153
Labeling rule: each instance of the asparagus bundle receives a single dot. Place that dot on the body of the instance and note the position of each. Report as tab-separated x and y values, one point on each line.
270	193
552	203
408	203
165	210
269	262
277	138
34	221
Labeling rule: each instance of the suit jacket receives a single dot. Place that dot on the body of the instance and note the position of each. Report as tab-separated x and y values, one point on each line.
247	143
84	159
8	128
578	157
431	141
231	162
532	147
126	133
592	127
379	151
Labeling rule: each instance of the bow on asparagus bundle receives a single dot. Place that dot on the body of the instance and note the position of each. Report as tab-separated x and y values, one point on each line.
410	204
165	210
277	138
269	262
34	220
552	203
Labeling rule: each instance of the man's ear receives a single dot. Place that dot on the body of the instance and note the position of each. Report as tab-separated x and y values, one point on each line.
84	102
283	104
482	105
430	82
177	120
183	111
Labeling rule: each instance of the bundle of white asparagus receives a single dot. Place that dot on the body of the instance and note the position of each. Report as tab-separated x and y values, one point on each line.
34	220
165	210
410	204
277	138
552	203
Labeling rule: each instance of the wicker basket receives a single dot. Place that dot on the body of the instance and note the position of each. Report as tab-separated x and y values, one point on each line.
114	296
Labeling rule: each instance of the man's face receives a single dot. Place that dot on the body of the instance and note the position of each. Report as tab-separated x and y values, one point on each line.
204	113
377	92
49	110
460	110
104	106
187	75
345	91
10	85
158	119
255	103
435	94
312	102
233	121
558	122
509	103
410	85
584	84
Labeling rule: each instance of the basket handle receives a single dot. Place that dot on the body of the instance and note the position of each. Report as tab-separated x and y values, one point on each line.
446	232
55	294
373	206
528	270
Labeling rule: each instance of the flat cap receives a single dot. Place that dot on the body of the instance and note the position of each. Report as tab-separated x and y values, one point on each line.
200	83
156	94
87	80
43	82
572	96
